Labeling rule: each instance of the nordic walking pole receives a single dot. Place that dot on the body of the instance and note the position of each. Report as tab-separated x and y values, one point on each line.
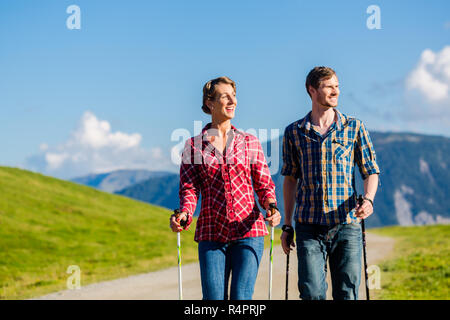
272	208
363	229
271	262
180	285
287	277
289	239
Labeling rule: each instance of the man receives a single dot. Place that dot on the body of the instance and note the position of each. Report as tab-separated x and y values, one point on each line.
320	152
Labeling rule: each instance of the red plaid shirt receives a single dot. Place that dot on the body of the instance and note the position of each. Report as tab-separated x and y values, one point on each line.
228	207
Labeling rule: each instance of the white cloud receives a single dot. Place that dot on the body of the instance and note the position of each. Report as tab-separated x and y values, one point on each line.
431	77
426	104
97	134
55	160
93	147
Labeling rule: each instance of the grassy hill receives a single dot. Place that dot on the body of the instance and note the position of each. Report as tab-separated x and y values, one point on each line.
420	266
47	224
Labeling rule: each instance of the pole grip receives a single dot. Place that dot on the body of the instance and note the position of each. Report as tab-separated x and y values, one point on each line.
273	208
177	212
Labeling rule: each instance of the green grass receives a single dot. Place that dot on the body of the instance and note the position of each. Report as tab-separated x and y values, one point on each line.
47	224
420	266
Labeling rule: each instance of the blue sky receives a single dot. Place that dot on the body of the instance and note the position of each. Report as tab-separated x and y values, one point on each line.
110	94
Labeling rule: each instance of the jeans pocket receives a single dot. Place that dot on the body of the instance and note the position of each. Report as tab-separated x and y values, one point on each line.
352	233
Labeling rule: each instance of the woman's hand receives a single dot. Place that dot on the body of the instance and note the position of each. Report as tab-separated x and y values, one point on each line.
177	220
273	216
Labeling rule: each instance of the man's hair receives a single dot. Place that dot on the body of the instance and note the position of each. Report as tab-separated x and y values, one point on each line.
209	90
316	75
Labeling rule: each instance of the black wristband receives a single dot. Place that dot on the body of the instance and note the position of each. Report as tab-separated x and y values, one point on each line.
370	200
287	228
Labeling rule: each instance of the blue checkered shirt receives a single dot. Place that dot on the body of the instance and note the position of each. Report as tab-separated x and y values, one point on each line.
324	167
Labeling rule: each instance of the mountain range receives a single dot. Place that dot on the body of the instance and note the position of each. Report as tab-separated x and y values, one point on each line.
118	180
413	189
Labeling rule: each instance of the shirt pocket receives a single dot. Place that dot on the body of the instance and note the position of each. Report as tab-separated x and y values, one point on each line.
342	150
342	160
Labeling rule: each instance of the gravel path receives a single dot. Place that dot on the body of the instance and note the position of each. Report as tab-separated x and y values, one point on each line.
163	285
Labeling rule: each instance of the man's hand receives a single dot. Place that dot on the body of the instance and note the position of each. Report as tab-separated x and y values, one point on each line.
287	241
176	220
364	210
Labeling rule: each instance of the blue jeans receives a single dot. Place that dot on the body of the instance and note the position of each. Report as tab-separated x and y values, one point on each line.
342	244
218	260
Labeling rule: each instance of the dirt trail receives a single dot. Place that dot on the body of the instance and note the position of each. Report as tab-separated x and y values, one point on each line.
163	285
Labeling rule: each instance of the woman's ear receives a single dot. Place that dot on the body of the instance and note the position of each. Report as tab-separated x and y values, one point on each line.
209	104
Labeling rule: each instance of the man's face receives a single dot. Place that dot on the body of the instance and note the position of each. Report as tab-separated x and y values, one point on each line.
328	92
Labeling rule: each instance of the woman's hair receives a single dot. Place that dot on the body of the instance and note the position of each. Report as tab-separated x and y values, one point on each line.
209	90
316	75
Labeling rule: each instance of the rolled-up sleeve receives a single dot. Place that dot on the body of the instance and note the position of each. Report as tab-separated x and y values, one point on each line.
291	166
189	182
365	155
262	180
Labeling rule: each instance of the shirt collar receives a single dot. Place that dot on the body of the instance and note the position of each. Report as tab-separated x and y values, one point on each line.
340	123
233	130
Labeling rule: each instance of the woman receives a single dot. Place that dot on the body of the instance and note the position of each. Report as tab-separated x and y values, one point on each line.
221	163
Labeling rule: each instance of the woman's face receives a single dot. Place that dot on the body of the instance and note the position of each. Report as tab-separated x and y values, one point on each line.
224	104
